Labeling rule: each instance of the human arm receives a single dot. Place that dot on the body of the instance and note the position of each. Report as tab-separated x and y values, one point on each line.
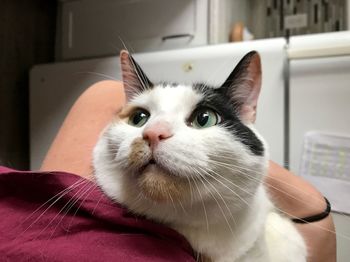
71	150
299	199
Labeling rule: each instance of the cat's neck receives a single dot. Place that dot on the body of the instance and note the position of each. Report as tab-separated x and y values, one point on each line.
231	237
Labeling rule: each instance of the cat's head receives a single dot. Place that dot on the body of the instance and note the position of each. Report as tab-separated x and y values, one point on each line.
179	150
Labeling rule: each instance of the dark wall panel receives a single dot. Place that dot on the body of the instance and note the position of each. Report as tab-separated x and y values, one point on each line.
27	37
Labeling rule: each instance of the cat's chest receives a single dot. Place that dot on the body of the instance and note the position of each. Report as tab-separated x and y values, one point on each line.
273	239
219	243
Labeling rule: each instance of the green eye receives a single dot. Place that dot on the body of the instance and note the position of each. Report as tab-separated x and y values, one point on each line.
139	118
204	117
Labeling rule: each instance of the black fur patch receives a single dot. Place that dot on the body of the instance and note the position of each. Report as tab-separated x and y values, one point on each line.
217	99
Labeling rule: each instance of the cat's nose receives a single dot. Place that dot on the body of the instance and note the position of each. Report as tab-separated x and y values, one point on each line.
157	132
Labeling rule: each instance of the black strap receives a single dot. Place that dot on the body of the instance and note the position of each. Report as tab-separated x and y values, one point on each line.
314	218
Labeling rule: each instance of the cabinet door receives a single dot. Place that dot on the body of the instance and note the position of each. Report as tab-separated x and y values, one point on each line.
95	28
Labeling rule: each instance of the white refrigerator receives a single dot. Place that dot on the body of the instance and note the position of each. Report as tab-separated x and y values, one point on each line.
319	121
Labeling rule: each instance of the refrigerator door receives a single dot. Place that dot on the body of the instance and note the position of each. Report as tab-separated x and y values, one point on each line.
319	122
55	87
319	102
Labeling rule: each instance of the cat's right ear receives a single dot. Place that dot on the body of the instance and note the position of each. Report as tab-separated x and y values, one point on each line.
134	79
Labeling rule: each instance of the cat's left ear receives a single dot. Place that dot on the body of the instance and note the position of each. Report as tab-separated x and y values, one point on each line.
134	79
243	86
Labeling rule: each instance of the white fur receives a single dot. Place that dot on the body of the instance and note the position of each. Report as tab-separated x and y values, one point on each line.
230	219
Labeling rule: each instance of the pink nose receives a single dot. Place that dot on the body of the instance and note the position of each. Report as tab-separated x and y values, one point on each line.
157	132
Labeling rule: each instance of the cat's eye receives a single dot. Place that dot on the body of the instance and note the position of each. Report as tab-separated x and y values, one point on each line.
139	117
204	117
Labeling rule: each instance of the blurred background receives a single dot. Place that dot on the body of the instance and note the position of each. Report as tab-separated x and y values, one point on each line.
51	51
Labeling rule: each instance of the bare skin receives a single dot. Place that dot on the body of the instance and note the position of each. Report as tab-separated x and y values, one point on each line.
299	199
71	151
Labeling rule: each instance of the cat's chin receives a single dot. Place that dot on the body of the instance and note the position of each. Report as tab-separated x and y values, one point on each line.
158	185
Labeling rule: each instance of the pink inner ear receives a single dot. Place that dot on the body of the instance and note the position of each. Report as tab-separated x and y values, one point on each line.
252	86
134	79
130	79
127	74
125	64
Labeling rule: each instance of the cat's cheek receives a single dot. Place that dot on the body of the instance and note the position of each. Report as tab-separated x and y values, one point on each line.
140	153
126	144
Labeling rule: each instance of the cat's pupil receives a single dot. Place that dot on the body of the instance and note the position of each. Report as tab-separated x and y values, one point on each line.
138	117
203	118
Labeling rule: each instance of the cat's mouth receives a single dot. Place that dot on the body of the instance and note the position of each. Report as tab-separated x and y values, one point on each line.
159	184
155	166
152	162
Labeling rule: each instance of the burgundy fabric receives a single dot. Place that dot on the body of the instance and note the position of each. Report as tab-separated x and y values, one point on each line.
44	218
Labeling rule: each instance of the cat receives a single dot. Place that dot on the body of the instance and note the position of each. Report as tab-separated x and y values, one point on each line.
189	157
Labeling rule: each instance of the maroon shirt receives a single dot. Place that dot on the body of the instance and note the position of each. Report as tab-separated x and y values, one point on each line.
44	218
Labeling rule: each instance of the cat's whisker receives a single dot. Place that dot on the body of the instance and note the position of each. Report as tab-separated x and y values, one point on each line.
246	174
97	203
215	189
137	202
215	199
63	208
215	72
98	74
292	216
58	196
226	205
70	206
191	191
87	194
182	207
230	182
172	202
248	205
224	164
202	202
236	170
123	43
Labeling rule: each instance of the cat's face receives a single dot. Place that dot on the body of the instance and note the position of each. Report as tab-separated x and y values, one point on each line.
180	150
